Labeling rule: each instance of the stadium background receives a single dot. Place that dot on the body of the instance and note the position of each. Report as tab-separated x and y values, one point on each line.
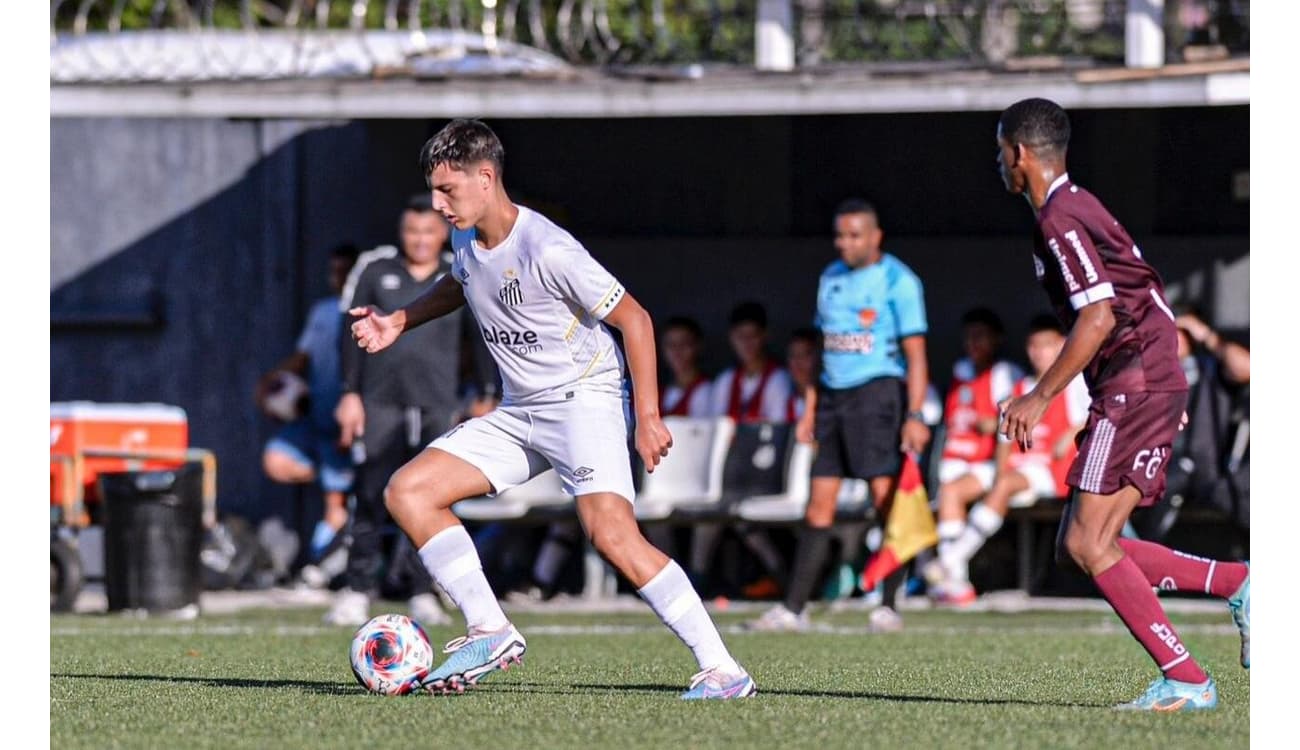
191	210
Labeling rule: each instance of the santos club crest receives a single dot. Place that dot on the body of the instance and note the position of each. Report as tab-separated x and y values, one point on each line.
510	293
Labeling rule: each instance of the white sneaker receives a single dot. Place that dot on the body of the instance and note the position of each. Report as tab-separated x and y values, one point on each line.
885	620
426	610
350	608
778	619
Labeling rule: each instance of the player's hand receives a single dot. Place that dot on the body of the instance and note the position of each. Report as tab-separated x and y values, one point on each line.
914	436
351	416
1020	416
652	440
481	406
804	431
373	330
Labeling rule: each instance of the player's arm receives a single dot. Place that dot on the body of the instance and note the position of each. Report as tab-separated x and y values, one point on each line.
1093	326
652	437
374	331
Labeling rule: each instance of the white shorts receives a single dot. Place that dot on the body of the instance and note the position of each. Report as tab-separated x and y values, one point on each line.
951	469
585	439
1041	482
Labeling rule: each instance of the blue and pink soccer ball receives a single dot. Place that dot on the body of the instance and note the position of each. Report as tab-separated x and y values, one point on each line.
391	654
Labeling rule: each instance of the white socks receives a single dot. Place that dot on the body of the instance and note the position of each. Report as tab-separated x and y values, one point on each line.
949	533
982	523
453	562
672	597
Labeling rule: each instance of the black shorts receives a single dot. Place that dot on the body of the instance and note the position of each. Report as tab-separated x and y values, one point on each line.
858	429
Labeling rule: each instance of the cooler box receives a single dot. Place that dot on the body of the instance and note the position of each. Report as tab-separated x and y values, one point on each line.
81	427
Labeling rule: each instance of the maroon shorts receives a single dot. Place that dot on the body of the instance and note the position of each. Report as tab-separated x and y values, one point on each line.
1126	442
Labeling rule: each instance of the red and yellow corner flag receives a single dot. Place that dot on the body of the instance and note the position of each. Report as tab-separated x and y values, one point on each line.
908	530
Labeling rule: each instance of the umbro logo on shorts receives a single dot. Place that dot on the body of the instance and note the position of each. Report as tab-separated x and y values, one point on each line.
583	474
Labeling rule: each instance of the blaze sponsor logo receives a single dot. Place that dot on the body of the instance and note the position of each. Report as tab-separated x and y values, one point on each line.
1088	269
858	343
519	342
1167	637
1150	461
1055	247
867	317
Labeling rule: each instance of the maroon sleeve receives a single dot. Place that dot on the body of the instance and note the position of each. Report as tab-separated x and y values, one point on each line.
1084	275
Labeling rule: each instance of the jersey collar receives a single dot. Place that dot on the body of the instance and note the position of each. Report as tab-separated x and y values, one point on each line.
1058	182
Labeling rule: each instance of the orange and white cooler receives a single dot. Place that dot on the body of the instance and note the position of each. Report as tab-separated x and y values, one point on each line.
87	438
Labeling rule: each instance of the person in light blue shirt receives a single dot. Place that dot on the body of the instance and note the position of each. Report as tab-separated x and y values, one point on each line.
307	449
866	411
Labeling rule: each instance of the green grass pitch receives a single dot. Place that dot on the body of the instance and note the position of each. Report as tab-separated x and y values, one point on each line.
278	679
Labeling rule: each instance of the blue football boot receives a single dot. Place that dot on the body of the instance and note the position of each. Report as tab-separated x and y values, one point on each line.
474	657
1168	695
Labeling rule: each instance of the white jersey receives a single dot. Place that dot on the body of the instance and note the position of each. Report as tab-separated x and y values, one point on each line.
539	299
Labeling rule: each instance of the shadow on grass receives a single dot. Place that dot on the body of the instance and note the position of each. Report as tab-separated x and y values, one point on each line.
584	688
348	688
308	686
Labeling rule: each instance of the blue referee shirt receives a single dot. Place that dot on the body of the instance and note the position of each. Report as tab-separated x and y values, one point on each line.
862	314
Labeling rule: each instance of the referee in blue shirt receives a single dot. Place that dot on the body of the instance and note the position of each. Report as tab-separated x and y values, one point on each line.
866	411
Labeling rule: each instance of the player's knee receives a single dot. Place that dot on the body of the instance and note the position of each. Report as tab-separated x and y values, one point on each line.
613	540
401	494
1082	549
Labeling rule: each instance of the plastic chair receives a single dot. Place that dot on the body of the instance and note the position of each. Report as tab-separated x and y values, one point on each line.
690	477
539	493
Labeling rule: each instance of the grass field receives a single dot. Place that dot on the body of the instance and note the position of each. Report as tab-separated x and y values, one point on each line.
277	679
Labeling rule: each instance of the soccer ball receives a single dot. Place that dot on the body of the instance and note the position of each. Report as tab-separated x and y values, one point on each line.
391	654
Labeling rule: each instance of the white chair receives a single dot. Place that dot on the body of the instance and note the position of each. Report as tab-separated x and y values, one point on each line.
541	492
789	505
690	477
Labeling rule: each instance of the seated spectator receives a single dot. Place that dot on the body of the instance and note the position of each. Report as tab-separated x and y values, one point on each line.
689	393
756	390
307	448
1039	472
966	468
802	356
1210	463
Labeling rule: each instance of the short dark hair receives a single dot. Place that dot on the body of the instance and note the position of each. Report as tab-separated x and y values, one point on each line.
460	143
855	206
748	312
983	316
686	324
345	251
1045	322
810	335
420	203
1038	123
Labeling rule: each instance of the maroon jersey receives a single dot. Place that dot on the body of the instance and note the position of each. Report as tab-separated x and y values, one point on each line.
1082	255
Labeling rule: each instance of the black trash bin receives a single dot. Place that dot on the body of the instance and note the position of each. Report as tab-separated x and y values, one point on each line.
153	531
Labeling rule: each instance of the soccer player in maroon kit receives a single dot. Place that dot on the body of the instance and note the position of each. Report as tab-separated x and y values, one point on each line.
1122	337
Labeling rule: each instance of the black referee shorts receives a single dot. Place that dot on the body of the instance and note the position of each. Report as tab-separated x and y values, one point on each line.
858	429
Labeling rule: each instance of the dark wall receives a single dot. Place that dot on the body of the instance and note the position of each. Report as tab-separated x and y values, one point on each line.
185	252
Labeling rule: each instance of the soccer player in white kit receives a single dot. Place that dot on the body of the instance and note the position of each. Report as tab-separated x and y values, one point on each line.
542	304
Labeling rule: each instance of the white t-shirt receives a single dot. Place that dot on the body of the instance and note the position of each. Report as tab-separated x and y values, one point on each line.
776	394
539	299
700	405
